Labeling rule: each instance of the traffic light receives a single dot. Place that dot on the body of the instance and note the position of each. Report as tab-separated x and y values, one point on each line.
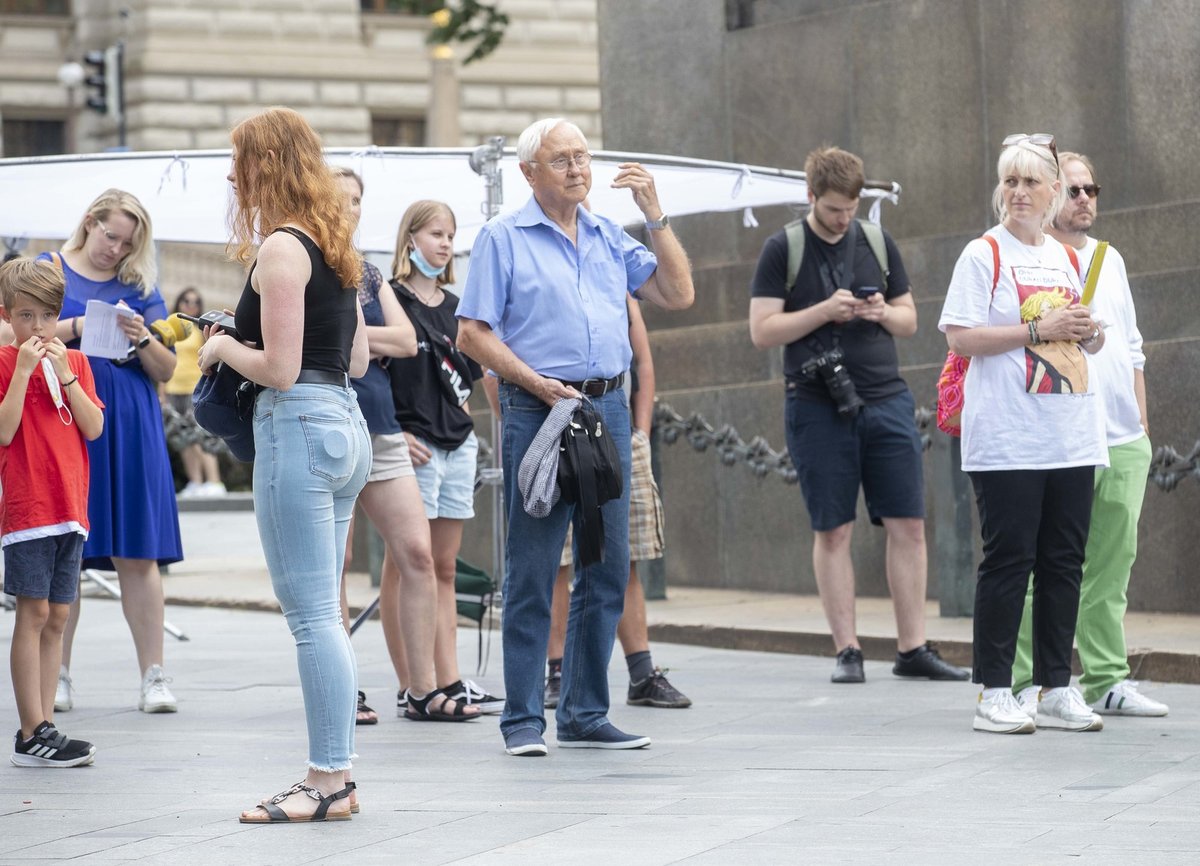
105	81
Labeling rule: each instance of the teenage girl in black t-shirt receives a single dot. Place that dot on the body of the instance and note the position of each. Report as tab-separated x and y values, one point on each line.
431	391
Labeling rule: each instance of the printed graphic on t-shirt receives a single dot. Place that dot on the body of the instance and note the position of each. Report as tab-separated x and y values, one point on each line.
1056	367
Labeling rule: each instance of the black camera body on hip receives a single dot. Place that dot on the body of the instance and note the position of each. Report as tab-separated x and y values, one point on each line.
828	365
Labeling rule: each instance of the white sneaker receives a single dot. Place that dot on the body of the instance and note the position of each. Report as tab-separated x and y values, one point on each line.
156	697
64	695
212	488
192	489
1123	699
1027	700
1001	714
1064	709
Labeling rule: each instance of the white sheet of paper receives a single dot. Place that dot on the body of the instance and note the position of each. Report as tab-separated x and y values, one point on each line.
102	336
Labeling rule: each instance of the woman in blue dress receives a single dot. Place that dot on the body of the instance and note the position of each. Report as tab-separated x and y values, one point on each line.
131	501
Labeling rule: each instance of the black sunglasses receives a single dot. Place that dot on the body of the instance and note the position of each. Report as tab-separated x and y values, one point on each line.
1092	190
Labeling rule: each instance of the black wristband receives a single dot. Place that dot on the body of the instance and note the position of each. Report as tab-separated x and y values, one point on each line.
72	382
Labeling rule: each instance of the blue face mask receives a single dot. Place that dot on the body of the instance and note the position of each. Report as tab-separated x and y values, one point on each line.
423	266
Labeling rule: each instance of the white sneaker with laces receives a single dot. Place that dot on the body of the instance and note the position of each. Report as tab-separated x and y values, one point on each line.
1027	700
1064	709
1124	699
156	697
191	490
1000	713
64	695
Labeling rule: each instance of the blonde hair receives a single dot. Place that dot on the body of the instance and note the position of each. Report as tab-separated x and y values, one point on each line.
1025	159
140	267
39	280
418	215
282	177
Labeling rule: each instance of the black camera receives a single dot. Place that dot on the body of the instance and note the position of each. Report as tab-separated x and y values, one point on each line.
828	365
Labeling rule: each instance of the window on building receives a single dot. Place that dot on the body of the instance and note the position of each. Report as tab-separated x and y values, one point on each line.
35	7
402	7
33	137
398	131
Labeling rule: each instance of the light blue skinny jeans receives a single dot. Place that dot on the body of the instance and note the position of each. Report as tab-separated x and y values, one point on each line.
534	548
313	454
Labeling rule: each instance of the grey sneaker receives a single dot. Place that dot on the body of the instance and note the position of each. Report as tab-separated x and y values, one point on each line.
553	688
849	667
656	691
156	697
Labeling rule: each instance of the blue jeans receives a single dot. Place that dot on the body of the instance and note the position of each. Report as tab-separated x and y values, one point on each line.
531	563
313	453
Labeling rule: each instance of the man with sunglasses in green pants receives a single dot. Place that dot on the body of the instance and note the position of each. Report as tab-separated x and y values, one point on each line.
1112	541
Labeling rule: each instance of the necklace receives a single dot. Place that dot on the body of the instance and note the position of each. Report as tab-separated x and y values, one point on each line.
426	300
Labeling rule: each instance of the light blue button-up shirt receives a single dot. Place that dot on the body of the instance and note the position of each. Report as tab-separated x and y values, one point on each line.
559	306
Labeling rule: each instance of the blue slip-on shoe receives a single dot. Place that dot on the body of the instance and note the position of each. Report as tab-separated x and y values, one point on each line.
525	743
607	736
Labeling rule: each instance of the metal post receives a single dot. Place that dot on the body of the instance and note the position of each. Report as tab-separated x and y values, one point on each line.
954	547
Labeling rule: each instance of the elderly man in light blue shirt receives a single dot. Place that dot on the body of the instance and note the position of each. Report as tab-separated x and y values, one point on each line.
544	308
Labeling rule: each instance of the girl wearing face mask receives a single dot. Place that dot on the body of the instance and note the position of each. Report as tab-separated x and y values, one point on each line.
431	392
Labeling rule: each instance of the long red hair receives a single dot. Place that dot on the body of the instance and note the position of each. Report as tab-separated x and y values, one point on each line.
282	177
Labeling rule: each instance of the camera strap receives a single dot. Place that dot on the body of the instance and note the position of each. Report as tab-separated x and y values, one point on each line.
832	280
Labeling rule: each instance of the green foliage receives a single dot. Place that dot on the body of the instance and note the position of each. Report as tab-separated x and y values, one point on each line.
470	21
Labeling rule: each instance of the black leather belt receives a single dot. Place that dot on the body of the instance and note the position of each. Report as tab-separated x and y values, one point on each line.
597	387
323	377
590	387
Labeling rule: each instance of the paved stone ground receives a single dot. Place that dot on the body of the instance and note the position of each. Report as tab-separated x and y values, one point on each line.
772	765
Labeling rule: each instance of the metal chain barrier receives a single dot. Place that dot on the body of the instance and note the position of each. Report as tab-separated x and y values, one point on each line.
1168	467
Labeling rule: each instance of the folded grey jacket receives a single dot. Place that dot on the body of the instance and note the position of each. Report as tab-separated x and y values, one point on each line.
537	477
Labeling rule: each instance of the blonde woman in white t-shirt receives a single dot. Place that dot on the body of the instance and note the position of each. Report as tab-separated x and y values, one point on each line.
1032	435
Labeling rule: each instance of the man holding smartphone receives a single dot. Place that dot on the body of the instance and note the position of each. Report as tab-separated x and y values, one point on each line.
837	311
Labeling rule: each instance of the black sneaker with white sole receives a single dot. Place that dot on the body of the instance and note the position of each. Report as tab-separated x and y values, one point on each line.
471	693
48	748
656	691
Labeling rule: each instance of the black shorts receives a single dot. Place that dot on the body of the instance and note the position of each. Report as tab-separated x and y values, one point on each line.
879	450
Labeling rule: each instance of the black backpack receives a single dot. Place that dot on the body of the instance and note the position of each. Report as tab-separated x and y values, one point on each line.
589	474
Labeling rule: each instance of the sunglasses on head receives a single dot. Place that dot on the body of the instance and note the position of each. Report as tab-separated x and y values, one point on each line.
1041	139
1092	190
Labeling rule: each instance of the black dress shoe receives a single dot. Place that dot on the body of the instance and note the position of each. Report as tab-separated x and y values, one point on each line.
849	666
926	663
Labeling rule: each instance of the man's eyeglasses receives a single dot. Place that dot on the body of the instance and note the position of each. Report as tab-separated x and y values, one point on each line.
1041	139
1092	190
581	160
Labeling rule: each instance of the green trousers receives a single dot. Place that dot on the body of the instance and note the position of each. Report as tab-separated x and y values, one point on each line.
1111	550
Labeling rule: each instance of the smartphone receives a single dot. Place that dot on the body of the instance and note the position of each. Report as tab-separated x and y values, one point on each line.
213	317
864	292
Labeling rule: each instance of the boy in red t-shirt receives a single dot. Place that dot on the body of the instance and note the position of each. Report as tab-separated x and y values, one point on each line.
47	411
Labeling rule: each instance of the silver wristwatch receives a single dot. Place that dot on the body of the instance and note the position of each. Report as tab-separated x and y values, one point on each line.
661	223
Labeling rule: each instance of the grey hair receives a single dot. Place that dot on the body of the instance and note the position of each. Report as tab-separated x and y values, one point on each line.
531	139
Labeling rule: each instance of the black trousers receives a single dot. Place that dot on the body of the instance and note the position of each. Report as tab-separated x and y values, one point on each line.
1032	521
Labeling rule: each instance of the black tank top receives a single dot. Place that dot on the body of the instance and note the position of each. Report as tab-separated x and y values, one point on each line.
330	314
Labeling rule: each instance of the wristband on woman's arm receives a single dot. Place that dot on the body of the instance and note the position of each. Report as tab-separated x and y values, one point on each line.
72	382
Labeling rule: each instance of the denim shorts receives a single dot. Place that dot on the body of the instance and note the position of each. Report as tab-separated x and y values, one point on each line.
44	567
447	480
879	450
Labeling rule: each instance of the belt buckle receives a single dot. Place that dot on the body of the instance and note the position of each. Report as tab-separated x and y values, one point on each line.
603	383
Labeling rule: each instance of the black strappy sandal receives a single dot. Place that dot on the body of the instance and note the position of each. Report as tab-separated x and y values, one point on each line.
363	710
274	815
419	710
